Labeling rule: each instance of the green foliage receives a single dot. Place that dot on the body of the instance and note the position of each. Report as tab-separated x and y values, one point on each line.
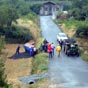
85	11
31	16
11	10
85	57
39	42
32	86
70	23
9	14
17	34
2	75
80	3
35	8
3	83
2	43
82	31
40	63
23	7
81	9
76	13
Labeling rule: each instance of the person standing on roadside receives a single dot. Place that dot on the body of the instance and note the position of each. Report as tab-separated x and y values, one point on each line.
49	49
53	47
45	41
45	45
61	43
58	49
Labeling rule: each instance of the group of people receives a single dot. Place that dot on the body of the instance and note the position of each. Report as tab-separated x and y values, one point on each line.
46	47
49	47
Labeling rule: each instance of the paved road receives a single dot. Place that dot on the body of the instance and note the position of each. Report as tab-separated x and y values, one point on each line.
64	72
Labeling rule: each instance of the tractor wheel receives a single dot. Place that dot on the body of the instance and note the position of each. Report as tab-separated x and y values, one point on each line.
67	53
77	55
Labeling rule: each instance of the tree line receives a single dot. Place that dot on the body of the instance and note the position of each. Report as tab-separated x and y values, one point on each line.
77	10
10	11
80	9
80	13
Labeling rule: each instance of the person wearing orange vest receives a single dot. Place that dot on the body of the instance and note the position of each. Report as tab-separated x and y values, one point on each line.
58	49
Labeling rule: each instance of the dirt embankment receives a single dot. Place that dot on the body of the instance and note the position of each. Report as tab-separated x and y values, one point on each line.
70	32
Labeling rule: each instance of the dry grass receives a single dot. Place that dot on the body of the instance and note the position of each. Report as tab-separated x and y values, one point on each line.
70	32
44	83
15	68
31	26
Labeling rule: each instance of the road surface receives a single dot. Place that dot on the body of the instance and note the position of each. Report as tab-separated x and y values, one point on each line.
64	72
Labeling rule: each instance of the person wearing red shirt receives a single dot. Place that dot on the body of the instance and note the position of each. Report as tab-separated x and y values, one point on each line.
49	48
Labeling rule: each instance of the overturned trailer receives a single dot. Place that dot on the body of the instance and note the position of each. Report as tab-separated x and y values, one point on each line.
29	48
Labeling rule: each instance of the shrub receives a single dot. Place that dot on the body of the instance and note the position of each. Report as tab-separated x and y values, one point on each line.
82	31
30	16
85	57
17	34
36	8
2	43
2	76
3	82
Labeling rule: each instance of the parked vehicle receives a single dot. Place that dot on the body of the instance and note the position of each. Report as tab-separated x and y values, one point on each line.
61	36
71	47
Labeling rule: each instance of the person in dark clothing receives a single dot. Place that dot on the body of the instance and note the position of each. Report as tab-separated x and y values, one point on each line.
61	43
45	47
45	41
53	47
41	47
17	49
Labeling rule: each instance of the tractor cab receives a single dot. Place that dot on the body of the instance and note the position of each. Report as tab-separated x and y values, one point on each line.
71	47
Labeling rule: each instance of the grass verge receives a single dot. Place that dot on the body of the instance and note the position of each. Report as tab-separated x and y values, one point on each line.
40	63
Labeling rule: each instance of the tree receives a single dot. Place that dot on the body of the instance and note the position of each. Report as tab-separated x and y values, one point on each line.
85	11
9	15
76	13
82	8
12	16
36	8
23	9
80	3
82	31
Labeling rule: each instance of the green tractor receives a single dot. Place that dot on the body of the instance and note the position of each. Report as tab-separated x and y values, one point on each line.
71	47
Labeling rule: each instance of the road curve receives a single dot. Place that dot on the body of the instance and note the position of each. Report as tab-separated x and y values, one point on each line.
64	72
